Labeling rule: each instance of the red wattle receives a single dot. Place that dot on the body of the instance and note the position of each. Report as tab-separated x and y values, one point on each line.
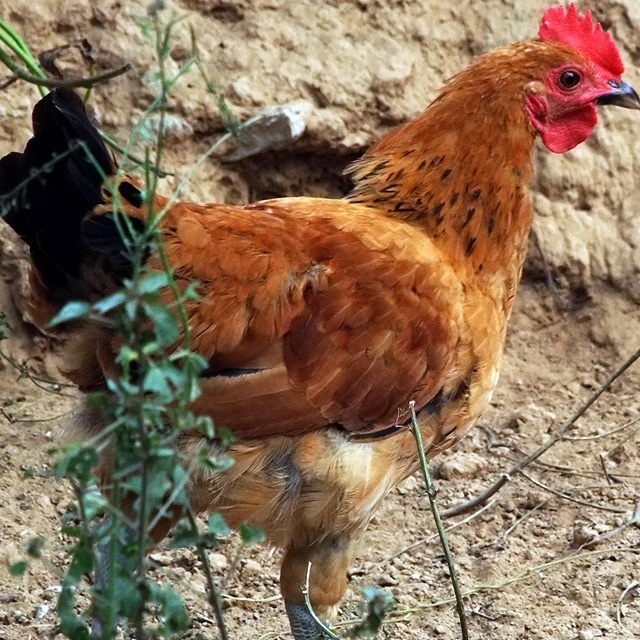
569	131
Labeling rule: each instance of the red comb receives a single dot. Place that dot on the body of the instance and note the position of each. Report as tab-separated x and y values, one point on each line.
581	33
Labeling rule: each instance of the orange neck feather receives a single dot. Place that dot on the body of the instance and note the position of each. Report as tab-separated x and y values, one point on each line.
462	170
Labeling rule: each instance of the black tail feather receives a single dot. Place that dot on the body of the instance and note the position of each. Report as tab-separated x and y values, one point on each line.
46	191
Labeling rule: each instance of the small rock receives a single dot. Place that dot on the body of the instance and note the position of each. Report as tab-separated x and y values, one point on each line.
161	559
252	568
582	533
41	611
387	580
245	91
408	485
19	615
173	127
218	561
462	465
9	596
273	128
44	502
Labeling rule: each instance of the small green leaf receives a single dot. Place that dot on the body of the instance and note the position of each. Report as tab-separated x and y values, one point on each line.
34	547
218	463
18	568
226	436
191	292
81	562
129	596
204	424
128	355
94	504
71	624
77	462
184	538
377	604
71	311
110	302
73	531
164	452
217	526
165	323
132	483
251	535
155	381
132	308
153	282
172	610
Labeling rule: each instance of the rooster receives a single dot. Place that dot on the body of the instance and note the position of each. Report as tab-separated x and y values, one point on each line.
321	319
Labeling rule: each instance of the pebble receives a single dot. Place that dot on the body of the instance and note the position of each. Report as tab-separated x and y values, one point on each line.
218	561
19	615
41	611
407	486
463	465
387	580
252	568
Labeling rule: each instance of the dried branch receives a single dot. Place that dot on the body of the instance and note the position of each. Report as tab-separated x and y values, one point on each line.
503	538
21	73
634	520
556	437
566	496
534	570
630	587
606	434
213	593
312	613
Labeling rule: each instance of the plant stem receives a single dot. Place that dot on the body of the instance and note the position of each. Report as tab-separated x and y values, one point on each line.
214	596
114	526
55	83
312	613
431	493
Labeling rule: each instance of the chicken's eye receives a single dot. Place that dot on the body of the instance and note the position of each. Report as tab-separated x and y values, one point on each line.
569	79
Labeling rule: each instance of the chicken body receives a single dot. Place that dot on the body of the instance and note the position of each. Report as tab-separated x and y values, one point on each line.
367	315
322	319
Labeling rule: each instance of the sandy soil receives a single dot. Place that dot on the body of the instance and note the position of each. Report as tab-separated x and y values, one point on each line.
524	550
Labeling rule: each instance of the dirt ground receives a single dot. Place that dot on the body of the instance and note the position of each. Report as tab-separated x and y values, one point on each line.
540	559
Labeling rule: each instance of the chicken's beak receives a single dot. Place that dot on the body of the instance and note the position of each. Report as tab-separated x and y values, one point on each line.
623	95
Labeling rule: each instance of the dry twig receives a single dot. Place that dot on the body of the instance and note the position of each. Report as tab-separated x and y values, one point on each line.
634	520
21	73
429	539
503	538
566	496
556	437
312	613
630	587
